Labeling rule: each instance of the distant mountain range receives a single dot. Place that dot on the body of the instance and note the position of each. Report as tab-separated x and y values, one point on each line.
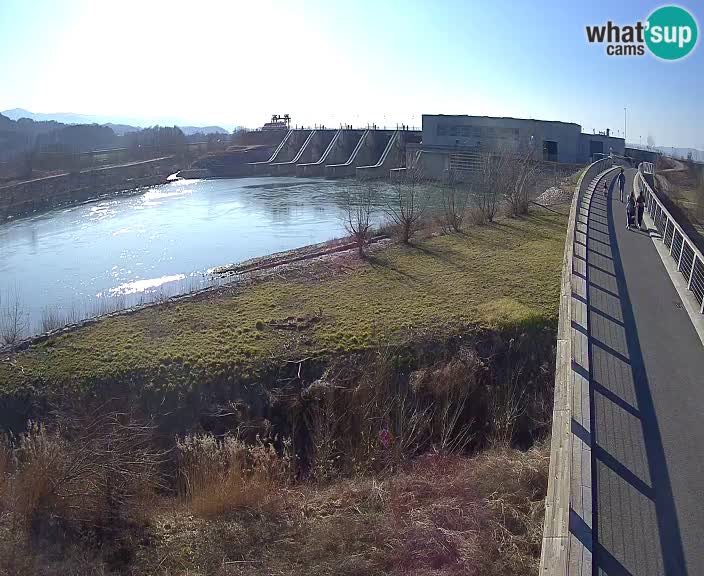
118	125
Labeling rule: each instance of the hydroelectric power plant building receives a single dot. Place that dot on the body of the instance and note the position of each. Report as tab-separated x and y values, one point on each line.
454	142
446	144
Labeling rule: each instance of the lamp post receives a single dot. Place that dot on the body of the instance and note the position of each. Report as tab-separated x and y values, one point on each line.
624	124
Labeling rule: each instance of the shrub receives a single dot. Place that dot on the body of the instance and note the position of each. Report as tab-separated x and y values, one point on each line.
87	471
454	205
217	476
359	208
13	318
407	208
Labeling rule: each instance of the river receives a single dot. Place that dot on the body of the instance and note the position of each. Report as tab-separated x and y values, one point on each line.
88	259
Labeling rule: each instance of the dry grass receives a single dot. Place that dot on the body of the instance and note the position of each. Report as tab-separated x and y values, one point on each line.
437	515
684	185
442	515
376	478
80	485
220	476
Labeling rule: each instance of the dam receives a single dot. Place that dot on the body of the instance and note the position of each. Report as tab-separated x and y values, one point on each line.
344	153
445	146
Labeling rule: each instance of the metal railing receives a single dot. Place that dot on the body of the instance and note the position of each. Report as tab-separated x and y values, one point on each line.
689	259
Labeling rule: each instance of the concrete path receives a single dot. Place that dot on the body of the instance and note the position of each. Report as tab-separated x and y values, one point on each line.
647	399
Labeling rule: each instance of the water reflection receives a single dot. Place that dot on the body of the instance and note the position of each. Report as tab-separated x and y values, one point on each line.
117	252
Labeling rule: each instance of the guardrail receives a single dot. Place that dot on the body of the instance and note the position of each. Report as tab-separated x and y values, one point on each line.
689	259
561	553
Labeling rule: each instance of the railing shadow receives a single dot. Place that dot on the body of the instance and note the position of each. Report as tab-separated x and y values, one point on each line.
635	526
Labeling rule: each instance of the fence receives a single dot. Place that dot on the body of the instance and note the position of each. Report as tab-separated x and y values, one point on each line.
690	261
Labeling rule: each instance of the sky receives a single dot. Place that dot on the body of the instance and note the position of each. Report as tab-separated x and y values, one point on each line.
237	62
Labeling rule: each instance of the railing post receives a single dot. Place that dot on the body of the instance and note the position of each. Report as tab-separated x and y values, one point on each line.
663	221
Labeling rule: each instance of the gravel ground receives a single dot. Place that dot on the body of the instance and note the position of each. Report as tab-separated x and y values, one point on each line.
554	195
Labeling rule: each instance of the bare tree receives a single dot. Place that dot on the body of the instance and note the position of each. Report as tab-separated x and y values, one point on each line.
505	176
13	318
492	183
521	170
454	203
406	209
359	204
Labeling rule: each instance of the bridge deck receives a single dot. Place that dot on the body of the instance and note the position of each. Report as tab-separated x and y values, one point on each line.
647	400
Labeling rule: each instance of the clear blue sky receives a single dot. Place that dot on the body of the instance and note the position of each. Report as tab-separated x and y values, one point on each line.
324	61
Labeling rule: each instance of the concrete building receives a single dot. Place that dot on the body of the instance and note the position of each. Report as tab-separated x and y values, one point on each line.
454	142
641	155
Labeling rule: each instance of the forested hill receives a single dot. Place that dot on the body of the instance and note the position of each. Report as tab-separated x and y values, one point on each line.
25	136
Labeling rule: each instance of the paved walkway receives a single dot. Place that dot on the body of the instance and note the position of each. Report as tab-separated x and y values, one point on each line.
647	399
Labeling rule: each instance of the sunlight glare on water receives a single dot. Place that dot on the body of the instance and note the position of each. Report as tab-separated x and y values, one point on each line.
161	241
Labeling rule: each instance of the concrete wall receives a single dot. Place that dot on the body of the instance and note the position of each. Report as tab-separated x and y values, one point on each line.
339	150
512	134
311	151
287	151
260	138
607	143
393	156
567	547
52	191
639	155
433	164
234	163
367	152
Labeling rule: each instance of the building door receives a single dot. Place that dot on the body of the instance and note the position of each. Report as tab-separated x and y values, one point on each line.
549	150
595	147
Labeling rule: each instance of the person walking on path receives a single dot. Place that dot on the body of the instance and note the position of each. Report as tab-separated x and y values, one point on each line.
621	183
606	189
630	212
640	206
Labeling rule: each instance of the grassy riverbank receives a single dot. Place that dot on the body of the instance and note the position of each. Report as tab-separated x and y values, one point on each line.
491	276
336	416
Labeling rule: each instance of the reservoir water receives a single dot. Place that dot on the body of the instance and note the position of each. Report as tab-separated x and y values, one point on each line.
108	254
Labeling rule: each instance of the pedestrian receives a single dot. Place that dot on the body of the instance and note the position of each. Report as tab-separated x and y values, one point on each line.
606	189
621	182
640	206
630	211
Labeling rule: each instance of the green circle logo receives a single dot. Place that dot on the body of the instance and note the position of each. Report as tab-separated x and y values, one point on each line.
671	32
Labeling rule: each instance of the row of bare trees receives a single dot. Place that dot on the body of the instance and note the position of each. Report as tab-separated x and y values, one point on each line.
503	179
405	210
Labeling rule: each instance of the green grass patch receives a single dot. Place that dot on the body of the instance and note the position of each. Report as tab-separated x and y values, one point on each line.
498	275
